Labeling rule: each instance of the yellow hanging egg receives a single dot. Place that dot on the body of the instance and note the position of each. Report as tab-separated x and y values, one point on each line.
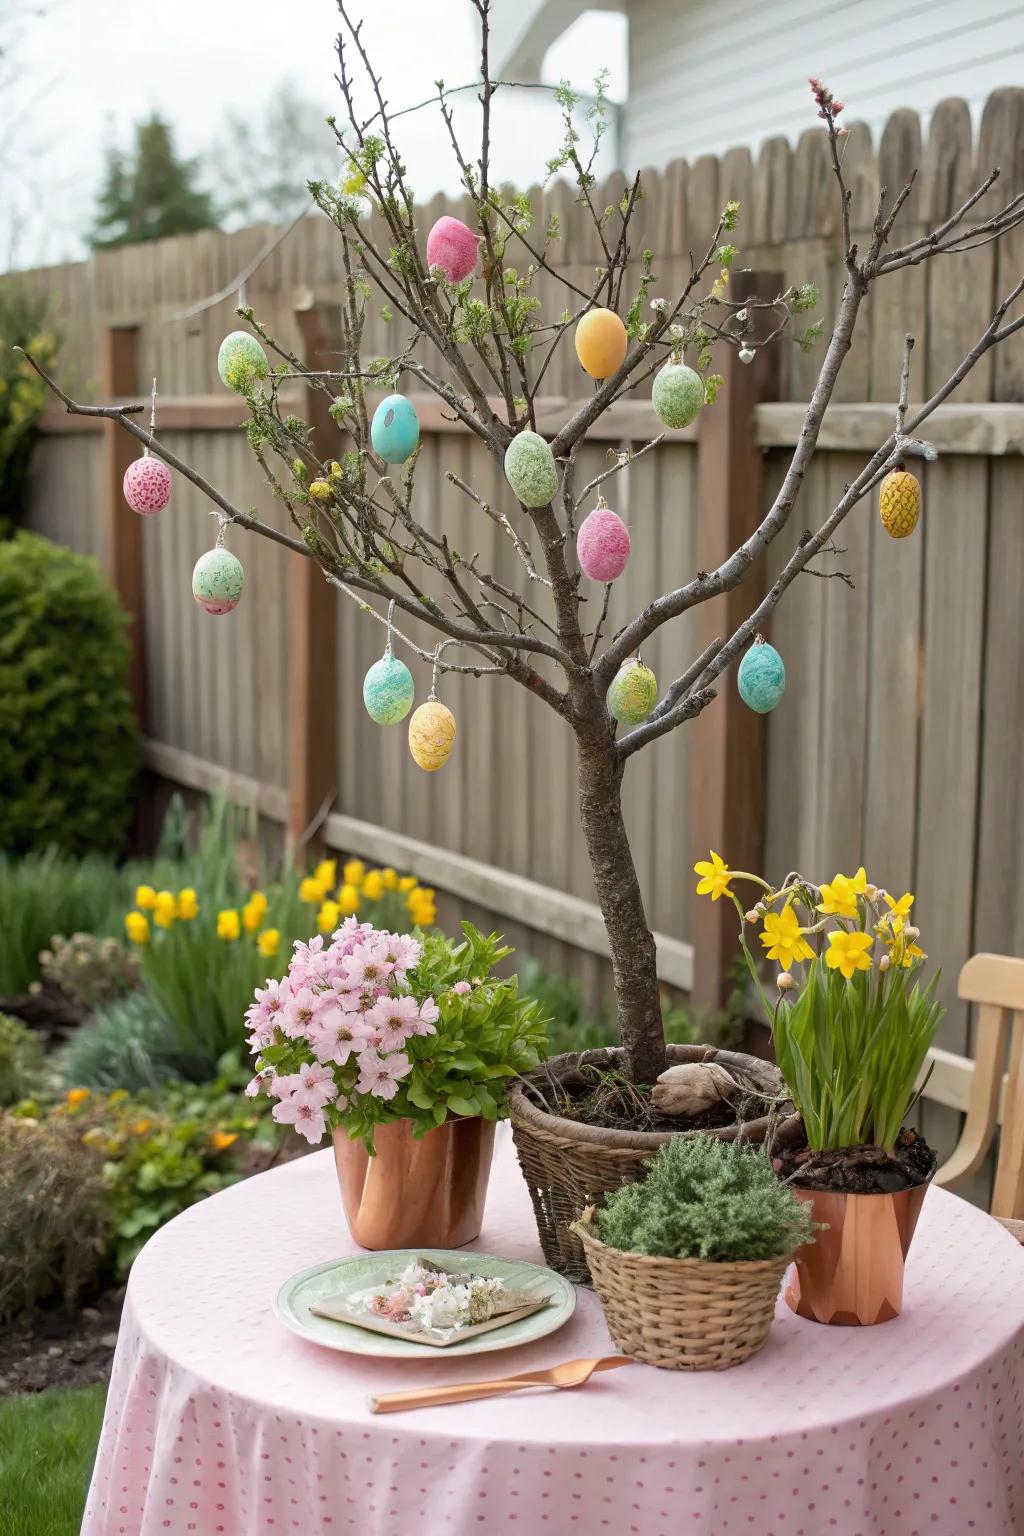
431	735
899	503
601	343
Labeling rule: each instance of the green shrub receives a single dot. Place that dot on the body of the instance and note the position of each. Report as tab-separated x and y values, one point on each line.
706	1199
46	893
126	1044
21	1060
89	970
54	1213
69	751
23	395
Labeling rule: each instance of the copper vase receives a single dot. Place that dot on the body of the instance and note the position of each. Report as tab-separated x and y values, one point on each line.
852	1274
416	1194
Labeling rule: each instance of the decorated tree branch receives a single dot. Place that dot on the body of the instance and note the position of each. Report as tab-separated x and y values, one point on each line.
475	335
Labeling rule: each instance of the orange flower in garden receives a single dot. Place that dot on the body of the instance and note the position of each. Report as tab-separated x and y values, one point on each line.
221	1140
140	1127
76	1096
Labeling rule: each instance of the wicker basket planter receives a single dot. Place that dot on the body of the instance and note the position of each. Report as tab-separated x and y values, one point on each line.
683	1314
569	1165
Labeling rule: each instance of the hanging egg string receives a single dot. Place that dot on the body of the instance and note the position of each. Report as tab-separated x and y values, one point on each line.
432	727
218	577
147	481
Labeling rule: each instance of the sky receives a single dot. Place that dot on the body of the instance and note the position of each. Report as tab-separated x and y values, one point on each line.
83	72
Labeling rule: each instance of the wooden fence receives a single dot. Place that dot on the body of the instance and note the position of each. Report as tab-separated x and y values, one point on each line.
898	741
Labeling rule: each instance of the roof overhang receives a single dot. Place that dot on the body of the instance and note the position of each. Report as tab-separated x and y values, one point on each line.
522	32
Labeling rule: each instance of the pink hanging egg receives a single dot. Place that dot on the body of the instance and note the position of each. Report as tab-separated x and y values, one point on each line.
147	485
453	247
602	545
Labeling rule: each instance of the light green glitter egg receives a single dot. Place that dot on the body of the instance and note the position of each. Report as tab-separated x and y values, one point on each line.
388	691
241	361
530	469
633	693
678	394
217	581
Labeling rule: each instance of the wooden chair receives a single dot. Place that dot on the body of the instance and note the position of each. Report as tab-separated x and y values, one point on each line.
995	983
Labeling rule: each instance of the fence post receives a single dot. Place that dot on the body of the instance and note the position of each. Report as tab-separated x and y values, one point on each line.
311	664
728	773
123	542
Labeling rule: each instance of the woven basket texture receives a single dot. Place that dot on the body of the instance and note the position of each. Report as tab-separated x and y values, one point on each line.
684	1314
568	1165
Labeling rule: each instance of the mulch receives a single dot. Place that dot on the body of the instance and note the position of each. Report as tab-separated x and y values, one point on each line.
60	1347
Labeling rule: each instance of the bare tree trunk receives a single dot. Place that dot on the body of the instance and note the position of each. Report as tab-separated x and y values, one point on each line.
630	941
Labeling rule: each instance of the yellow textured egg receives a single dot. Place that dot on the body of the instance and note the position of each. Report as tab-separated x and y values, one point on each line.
431	735
899	503
601	343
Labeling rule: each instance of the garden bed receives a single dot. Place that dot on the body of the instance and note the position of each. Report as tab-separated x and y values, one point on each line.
58	1347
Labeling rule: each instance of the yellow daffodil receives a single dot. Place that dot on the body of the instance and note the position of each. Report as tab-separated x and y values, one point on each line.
221	1140
348	900
840	898
188	906
165	909
373	885
327	872
390	878
783	940
228	925
312	890
259	901
76	1096
269	942
901	908
145	898
354	872
328	917
407	883
252	915
901	948
848	952
715	877
136	926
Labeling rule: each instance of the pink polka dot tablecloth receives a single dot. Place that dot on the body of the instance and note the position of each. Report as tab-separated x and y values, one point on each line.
221	1421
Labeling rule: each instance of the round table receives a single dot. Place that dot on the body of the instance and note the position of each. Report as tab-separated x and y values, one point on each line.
220	1420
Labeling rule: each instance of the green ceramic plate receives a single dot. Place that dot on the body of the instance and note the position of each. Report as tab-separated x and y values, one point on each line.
293	1300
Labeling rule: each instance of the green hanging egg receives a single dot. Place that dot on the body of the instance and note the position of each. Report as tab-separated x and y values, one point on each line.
241	361
762	677
678	394
530	469
388	690
632	694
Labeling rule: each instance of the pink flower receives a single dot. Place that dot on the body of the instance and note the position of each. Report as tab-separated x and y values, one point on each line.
304	1113
316	1082
284	1086
403	952
367	966
462	987
334	1035
310	963
253	1087
270	1000
428	1017
299	1013
380	1075
395	1018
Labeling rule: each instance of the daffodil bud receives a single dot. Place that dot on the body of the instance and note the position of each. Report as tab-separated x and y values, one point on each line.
752	916
912	933
785	982
871	892
884	963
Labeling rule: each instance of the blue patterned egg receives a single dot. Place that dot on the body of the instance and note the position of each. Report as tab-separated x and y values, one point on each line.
395	429
761	677
388	691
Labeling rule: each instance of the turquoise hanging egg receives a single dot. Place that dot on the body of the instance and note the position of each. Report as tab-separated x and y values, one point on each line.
395	429
388	690
241	361
217	581
530	469
632	694
761	677
677	395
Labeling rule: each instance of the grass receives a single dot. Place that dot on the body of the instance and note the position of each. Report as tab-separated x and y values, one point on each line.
47	1445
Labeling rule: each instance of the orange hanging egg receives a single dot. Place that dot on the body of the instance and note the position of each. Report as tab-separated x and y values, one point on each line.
601	343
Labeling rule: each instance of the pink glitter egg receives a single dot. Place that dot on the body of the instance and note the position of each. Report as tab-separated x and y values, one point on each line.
147	485
453	247
602	545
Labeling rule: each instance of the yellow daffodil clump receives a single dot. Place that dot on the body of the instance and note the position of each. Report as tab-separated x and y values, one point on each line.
385	896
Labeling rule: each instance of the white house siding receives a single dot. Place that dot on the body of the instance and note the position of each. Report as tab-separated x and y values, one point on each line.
705	75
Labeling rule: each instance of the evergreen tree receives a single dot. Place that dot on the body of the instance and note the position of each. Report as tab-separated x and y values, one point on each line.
150	193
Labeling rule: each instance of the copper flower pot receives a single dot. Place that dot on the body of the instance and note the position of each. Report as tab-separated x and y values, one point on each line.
416	1194
852	1274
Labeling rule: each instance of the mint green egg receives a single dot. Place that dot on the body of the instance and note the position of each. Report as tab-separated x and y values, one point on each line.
761	677
678	394
632	694
388	691
241	361
530	469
